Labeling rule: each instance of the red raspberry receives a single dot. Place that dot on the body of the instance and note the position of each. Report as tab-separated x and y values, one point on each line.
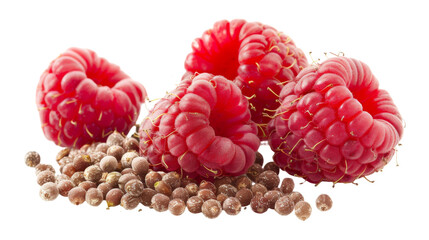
334	123
258	58
202	128
82	98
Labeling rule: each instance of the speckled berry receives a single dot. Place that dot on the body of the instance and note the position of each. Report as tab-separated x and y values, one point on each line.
192	189
272	196
259	188
77	195
62	154
254	171
324	202
129	201
130	144
284	205
49	191
194	204
44	177
302	210
296	197
146	196
112	178
221	198
172	179
104	188
177	206
151	178
32	158
94	197
64	187
108	164
273	167
113	197
96	157
77	178
134	187
211	208
127	159
65	160
287	185
160	202
163	187
102	147
115	138
242	182
206	194
81	162
140	165
93	173
259	203
232	206
123	179
269	179
115	151
207	185
68	169
180	193
227	189
244	195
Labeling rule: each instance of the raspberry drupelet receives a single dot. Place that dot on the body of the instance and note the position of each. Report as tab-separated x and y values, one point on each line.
334	123
257	57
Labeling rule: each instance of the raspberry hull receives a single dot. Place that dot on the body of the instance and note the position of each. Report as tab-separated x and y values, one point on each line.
334	123
82	98
202	129
258	58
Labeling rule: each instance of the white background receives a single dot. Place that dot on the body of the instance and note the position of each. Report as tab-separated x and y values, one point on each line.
150	42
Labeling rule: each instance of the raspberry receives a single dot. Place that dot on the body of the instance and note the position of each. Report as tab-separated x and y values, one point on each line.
334	123
201	129
82	98
258	58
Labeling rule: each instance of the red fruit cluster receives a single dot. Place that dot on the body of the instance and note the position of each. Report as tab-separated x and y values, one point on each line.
328	122
334	123
257	57
83	98
201	129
